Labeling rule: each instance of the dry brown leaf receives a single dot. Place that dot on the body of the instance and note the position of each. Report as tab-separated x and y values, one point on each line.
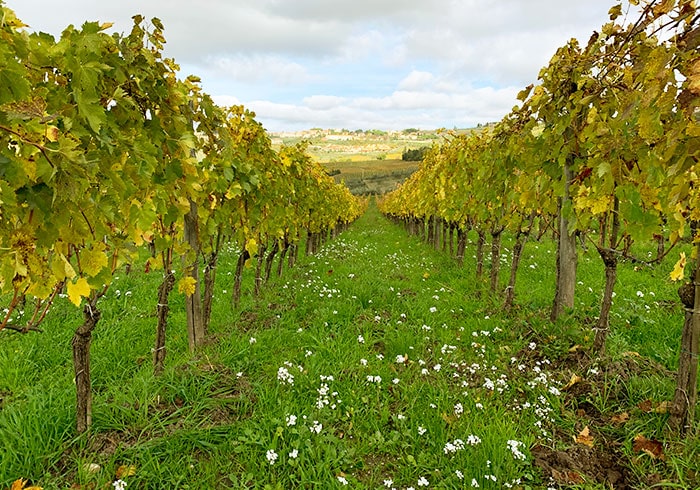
620	418
574	379
125	470
646	406
652	447
584	437
567	477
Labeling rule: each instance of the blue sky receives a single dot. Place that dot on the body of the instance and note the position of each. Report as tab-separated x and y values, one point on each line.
356	64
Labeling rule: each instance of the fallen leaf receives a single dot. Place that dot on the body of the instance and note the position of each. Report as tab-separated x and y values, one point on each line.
567	477
620	419
652	447
646	406
631	353
91	468
125	470
17	485
574	379
575	348
663	407
584	437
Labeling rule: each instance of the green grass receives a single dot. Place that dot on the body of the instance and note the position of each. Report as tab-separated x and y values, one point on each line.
404	369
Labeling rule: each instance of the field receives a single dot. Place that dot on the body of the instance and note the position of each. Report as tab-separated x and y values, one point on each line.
367	162
376	363
371	176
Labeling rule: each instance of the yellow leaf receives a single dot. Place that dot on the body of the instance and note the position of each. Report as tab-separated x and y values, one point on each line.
12	21
20	266
574	379
251	246
125	470
17	485
234	190
93	261
52	133
40	289
694	78
61	268
78	290
664	7
584	437
663	407
678	270
106	25
186	285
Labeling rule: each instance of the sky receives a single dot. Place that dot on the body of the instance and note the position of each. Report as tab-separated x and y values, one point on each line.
355	64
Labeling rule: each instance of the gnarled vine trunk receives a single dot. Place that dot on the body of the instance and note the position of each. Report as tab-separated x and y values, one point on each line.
193	302
461	246
686	395
238	277
496	236
480	244
163	308
81	366
567	258
602	327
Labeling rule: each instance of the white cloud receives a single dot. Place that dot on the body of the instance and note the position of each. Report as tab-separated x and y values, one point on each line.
260	68
416	80
324	102
427	106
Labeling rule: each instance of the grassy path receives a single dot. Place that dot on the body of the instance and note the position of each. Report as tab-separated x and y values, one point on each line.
374	364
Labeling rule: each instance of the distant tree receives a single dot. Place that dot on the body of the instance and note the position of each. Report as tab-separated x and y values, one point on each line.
415	155
411	130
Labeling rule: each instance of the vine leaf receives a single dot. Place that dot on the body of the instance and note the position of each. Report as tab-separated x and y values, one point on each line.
77	290
678	270
93	261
